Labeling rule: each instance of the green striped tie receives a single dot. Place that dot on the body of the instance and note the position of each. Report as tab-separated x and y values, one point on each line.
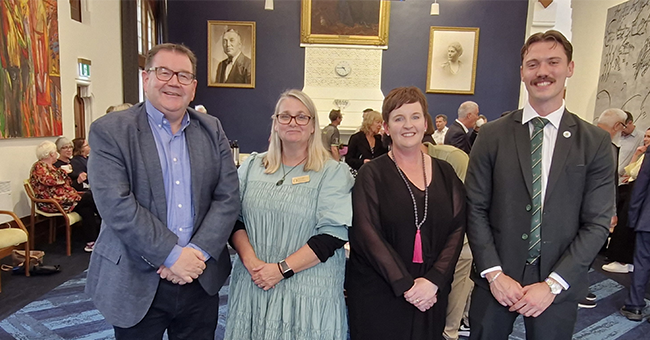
534	241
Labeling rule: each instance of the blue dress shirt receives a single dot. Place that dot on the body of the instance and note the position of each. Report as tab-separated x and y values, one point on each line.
177	176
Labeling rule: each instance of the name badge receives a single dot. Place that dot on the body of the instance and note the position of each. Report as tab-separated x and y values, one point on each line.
301	179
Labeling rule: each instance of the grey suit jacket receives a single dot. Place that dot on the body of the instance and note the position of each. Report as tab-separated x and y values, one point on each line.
127	181
577	207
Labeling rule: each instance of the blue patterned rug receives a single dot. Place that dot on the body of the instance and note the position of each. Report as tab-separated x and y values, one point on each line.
67	313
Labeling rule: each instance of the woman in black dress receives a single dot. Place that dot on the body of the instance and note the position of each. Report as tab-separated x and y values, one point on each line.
366	144
408	227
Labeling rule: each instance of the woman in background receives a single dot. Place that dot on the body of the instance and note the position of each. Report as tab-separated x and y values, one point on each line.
65	149
408	227
50	182
287	282
366	144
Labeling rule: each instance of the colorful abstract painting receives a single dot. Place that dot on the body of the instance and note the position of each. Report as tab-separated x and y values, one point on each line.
30	85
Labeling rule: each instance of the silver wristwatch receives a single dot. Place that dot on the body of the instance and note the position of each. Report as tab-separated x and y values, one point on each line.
556	288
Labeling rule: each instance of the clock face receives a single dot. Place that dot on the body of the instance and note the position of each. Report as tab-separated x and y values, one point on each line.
343	68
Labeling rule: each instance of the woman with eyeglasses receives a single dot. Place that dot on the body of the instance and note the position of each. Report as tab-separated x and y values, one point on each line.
287	282
409	222
65	149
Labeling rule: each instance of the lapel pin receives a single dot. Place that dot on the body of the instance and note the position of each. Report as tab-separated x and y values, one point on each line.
566	134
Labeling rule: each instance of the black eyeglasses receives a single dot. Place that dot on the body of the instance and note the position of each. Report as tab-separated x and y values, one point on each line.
285	119
165	74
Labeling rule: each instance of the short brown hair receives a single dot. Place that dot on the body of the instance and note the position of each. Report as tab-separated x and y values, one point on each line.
400	96
178	48
550	35
335	114
77	145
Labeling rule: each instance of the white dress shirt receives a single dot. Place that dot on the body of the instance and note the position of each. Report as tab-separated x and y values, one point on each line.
439	136
548	146
230	65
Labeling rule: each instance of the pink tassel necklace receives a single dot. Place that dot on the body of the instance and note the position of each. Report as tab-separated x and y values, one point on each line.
417	247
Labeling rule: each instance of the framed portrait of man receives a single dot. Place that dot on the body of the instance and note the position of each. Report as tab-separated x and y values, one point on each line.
452	60
231	54
345	22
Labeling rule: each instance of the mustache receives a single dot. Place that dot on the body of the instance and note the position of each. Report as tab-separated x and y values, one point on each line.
544	78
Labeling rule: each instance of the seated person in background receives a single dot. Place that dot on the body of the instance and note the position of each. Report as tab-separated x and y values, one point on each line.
65	149
49	182
366	144
79	161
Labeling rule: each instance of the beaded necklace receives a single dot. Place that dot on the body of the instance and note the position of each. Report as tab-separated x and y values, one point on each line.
417	247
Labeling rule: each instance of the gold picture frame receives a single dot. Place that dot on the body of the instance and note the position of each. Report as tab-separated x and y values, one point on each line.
361	23
453	52
241	74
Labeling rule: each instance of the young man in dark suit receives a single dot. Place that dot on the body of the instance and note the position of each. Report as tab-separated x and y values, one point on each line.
538	184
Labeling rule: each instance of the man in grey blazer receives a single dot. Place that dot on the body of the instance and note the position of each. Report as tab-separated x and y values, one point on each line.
540	188
164	178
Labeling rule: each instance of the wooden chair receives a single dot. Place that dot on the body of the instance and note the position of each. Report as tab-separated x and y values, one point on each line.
38	215
11	237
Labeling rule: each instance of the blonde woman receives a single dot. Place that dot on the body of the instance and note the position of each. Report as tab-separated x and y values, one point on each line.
366	144
287	282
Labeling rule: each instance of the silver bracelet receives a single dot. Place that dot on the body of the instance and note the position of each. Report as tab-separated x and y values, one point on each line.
495	277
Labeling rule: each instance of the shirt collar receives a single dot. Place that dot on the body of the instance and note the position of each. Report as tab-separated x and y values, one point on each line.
463	125
158	117
554	117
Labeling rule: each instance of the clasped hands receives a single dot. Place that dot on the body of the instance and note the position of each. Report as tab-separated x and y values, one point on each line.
528	301
187	268
264	275
423	294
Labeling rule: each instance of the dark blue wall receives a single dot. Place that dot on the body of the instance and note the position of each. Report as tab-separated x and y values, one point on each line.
280	59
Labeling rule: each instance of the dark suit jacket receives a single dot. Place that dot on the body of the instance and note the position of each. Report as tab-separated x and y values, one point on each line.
576	216
457	137
240	73
639	213
359	150
127	182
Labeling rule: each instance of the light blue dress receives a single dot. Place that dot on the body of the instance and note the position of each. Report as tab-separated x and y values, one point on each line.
279	220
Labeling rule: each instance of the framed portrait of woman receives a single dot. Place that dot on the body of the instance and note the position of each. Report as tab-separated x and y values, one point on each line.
452	60
345	22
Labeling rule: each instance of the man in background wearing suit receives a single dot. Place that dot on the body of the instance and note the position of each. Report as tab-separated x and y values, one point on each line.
639	219
538	185
236	68
458	134
164	178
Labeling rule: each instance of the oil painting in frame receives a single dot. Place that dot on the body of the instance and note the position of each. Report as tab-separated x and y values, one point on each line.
345	22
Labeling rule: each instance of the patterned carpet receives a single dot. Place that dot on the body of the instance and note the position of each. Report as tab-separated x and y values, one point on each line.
67	313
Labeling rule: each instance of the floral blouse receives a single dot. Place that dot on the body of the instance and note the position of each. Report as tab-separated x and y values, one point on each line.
50	182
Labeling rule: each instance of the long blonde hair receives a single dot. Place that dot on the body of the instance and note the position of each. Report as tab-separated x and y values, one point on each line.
316	153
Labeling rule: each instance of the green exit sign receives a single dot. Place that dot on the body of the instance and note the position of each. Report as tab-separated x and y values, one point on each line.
84	68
